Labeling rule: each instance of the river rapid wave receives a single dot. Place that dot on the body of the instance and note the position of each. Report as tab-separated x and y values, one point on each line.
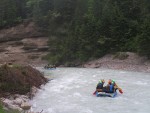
70	91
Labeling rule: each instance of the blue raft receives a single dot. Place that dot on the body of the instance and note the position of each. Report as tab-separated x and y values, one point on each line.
50	68
103	94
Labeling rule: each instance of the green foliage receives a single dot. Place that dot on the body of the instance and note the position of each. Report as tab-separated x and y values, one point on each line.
121	55
19	79
83	29
11	12
144	39
10	82
7	111
17	66
96	27
1	109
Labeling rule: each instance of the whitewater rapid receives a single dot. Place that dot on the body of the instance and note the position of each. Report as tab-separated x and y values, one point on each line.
70	91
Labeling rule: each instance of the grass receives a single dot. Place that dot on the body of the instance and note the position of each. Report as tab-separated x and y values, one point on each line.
17	79
1	109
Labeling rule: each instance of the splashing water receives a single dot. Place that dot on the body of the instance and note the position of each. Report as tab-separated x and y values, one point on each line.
71	90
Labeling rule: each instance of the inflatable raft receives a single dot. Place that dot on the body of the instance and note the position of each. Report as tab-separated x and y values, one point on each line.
103	94
50	68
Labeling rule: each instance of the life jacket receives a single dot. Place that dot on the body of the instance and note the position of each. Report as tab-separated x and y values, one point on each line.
99	85
111	88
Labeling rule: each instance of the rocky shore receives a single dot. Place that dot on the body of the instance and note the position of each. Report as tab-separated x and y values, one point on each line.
18	103
121	61
18	85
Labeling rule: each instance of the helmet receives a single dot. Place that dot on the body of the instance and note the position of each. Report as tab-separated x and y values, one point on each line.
113	81
102	81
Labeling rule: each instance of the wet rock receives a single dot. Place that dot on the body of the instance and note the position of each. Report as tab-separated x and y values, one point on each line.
24	98
9	104
34	91
25	106
18	101
6	102
14	107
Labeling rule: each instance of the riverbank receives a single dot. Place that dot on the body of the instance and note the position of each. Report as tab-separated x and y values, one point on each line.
121	61
23	44
18	85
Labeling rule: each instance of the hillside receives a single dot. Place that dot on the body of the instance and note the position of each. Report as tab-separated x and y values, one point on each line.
78	30
23	44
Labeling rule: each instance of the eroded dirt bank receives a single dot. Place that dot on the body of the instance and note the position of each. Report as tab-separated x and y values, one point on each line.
23	44
18	84
132	62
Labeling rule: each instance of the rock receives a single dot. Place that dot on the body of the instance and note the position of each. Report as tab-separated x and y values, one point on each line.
43	48
23	38
25	106
11	97
18	101
16	96
24	98
34	91
10	105
7	102
15	108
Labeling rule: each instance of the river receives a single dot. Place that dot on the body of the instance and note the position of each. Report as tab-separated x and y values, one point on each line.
71	90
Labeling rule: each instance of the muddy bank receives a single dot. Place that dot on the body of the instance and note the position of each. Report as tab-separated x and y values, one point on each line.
129	62
18	85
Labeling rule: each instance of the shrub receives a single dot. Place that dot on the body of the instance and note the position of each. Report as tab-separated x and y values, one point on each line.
121	55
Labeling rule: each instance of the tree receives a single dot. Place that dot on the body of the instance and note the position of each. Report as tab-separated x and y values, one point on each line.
11	12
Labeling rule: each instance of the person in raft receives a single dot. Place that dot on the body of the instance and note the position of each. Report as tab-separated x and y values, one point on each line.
113	83
99	86
110	88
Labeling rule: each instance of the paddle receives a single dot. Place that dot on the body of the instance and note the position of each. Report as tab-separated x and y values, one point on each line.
94	92
120	90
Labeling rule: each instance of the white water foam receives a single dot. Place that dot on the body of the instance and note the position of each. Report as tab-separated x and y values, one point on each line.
71	90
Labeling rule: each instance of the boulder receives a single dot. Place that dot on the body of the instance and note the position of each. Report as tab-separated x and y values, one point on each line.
25	106
18	101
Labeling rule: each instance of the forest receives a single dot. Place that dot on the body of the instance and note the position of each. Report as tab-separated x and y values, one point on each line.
80	30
